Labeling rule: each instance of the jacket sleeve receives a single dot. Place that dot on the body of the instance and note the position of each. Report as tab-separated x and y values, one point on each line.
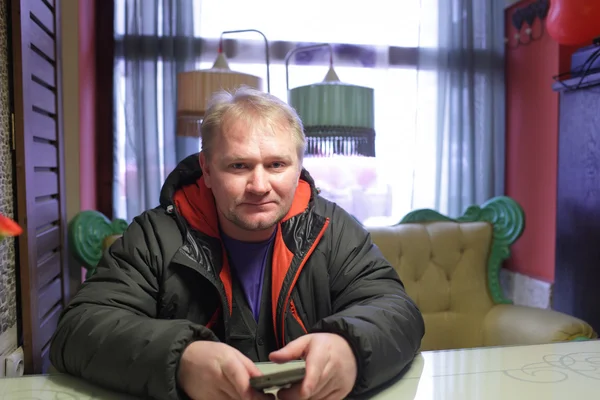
109	333
371	308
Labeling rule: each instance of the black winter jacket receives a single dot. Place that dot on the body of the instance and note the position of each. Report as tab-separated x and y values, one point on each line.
162	285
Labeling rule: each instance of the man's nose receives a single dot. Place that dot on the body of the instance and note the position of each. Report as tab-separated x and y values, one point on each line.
259	182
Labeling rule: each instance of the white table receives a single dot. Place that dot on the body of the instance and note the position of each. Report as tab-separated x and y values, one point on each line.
552	371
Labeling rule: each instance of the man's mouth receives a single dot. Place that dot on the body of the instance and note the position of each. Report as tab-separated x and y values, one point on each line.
259	204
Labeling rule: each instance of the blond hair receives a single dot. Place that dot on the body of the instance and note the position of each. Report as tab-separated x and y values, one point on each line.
250	105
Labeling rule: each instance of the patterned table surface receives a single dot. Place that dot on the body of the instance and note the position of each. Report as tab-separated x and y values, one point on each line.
552	371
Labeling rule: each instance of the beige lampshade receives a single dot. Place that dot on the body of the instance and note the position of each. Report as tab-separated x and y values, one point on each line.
195	88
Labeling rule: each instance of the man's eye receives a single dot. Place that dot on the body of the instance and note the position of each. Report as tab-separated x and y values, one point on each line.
277	165
237	166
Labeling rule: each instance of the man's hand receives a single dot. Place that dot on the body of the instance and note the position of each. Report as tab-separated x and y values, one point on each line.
330	367
212	370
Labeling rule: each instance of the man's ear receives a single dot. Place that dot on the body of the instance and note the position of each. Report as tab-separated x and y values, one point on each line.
205	169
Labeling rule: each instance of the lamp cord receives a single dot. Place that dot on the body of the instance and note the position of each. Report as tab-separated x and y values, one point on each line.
586	67
267	56
311	47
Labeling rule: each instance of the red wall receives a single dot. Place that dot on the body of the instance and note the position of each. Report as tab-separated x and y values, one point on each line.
87	107
532	145
87	104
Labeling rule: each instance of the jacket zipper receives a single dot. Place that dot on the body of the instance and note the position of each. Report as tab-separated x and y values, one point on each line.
289	292
224	303
214	280
297	316
219	288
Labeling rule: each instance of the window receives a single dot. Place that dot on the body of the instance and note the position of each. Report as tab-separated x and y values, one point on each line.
377	22
376	190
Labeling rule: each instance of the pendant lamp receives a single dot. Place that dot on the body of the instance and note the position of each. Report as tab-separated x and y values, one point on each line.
195	88
338	118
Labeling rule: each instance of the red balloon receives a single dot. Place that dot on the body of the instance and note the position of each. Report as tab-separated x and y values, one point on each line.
573	22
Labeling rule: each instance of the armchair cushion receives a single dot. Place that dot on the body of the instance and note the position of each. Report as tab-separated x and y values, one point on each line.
451	268
517	325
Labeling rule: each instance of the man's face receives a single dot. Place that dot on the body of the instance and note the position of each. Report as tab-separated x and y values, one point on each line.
253	172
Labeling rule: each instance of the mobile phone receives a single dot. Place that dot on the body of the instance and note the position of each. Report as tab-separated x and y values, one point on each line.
278	379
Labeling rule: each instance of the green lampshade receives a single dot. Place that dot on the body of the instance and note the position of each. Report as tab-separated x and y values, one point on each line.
338	118
333	103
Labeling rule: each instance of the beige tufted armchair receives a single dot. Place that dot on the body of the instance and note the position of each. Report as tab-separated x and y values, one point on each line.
451	269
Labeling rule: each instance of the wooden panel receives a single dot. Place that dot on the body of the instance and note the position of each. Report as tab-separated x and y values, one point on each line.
41	14
105	55
46	212
41	125
43	98
48	325
41	40
39	159
42	69
47	241
48	269
49	296
46	183
45	359
46	155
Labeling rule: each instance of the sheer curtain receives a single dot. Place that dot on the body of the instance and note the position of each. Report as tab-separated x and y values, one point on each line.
469	125
154	41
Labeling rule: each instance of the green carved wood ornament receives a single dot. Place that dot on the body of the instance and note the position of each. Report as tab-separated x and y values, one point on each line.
508	221
87	231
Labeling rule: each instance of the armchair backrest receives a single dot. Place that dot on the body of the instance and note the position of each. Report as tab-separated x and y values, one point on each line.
451	267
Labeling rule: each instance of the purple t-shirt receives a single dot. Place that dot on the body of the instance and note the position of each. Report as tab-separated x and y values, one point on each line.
248	261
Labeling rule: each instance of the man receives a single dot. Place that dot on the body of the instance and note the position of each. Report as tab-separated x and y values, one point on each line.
242	262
